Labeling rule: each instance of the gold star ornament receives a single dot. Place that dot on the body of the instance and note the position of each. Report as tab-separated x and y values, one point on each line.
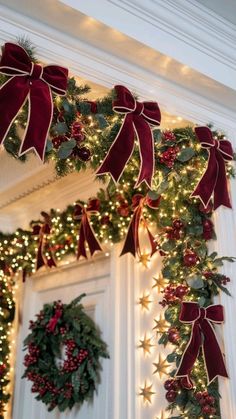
161	325
161	366
144	301
146	392
144	258
145	344
159	283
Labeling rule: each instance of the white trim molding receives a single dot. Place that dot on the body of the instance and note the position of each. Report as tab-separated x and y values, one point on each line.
184	30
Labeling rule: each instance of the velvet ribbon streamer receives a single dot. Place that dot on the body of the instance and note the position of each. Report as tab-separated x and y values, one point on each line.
132	244
202	335
214	180
42	231
138	120
32	82
86	232
54	320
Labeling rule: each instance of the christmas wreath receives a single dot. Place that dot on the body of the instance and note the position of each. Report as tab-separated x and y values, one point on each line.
63	355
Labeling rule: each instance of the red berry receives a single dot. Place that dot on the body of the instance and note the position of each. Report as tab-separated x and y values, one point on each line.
173	335
206	410
83	153
210	400
168	384
190	258
178	224
123	210
181	291
171	395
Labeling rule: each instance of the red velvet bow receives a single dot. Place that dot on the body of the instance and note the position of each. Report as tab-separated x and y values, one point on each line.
54	320
33	82
139	118
131	244
202	335
214	180
42	231
86	232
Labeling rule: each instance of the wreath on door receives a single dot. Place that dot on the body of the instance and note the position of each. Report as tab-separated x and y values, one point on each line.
64	351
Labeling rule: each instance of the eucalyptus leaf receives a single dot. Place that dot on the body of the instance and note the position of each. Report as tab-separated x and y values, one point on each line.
66	148
186	154
101	120
60	128
162	187
195	282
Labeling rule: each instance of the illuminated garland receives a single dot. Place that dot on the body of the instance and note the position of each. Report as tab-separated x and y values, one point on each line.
83	132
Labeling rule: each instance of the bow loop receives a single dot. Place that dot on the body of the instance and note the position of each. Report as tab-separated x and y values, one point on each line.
189	312
15	60
152	113
215	313
32	82
56	77
124	102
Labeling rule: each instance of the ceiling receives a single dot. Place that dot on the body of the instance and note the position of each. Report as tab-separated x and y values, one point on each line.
224	8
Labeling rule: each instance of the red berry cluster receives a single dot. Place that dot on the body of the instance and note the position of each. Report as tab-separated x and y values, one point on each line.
208	229
41	385
58	140
223	279
168	136
32	356
173	294
175	231
77	132
172	387
173	335
206	402
2	370
74	358
123	208
168	157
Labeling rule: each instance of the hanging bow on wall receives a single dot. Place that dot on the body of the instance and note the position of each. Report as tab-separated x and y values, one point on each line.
138	120
202	335
86	232
214	180
44	253
132	244
32	82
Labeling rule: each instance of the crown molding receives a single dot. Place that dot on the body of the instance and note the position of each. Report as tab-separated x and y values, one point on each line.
107	69
185	30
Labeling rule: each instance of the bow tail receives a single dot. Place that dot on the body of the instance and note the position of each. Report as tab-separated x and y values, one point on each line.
152	242
206	185
190	354
90	237
13	94
131	244
81	251
213	356
39	122
146	148
221	193
120	151
40	258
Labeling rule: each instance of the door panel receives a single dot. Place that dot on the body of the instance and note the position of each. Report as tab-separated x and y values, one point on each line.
60	287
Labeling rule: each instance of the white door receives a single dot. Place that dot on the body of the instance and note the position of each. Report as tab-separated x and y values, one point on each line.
66	284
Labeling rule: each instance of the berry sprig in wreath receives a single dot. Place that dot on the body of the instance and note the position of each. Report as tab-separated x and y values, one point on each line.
63	355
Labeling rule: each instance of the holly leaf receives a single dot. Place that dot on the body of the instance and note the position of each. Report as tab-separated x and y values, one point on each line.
186	154
195	282
66	149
